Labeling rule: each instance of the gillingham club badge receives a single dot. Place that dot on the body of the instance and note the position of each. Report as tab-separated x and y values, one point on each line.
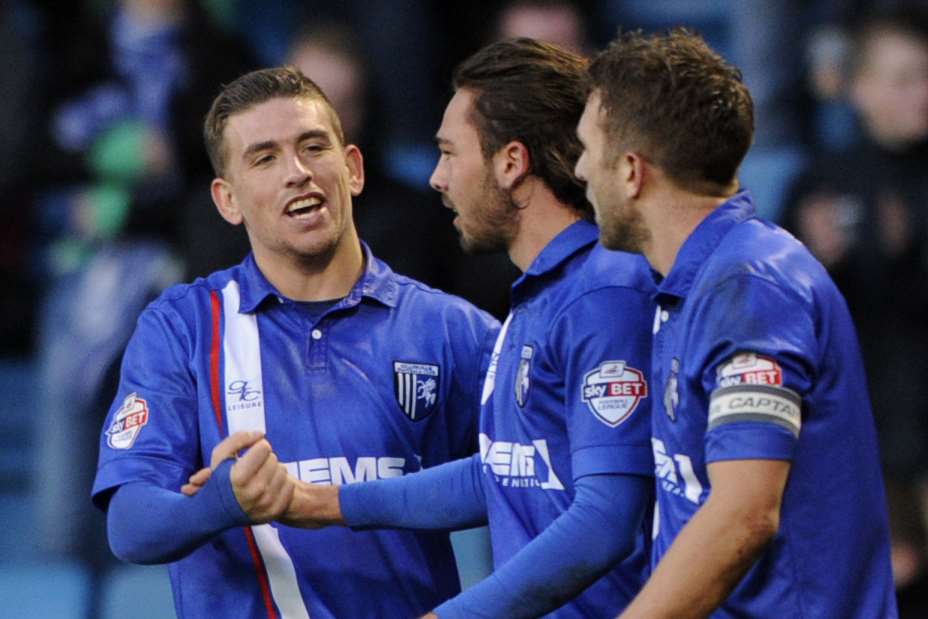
416	388
672	390
613	390
523	375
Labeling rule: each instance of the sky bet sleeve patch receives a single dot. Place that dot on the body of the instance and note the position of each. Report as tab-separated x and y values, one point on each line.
750	388
128	421
613	390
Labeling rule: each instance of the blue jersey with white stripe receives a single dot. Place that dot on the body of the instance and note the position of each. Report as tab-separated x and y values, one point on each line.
380	385
756	358
567	395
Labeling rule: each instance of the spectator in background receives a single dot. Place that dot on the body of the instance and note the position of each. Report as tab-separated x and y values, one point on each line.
864	213
560	22
134	85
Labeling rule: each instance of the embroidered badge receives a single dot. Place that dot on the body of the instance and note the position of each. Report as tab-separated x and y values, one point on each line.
671	391
416	388
749	368
523	375
128	421
613	390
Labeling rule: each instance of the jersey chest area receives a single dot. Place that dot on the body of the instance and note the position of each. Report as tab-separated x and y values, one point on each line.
680	413
343	398
523	438
526	397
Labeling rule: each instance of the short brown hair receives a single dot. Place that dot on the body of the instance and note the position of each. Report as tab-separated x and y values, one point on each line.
677	102
252	89
533	93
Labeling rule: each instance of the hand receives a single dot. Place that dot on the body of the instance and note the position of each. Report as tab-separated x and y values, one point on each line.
261	484
196	481
227	449
826	226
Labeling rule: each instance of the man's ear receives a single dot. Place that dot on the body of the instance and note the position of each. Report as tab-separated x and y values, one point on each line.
355	162
511	164
225	201
631	173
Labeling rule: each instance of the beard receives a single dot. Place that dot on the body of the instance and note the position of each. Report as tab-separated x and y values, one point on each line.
493	220
623	229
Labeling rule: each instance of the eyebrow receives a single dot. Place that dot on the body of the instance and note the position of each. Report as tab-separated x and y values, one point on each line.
441	141
272	144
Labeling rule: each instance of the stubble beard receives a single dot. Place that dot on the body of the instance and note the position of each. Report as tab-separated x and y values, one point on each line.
494	222
624	230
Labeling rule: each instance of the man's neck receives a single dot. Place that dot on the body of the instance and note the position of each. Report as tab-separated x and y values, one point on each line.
319	278
673	218
543	217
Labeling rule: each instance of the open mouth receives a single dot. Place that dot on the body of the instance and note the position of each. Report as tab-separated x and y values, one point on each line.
304	207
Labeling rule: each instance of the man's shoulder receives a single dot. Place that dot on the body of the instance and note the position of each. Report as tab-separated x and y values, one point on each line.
758	247
620	279
420	299
760	251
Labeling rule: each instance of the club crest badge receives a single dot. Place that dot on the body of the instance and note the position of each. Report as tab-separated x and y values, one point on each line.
613	390
416	388
672	390
523	375
128	421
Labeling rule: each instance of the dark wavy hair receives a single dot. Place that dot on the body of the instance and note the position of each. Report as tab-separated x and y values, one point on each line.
533	93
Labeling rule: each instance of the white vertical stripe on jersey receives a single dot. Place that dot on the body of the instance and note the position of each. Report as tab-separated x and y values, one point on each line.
241	349
489	383
242	355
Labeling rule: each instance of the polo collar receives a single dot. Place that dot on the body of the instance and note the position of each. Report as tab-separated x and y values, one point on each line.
569	241
377	282
704	240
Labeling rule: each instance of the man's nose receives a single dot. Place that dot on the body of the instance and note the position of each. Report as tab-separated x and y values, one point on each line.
298	172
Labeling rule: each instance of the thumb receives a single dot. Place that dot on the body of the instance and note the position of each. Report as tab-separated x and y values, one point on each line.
231	445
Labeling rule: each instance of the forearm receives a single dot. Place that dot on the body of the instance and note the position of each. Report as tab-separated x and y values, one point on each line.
448	496
147	524
703	565
597	532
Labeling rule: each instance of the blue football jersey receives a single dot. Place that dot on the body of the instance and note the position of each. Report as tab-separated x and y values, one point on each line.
380	385
756	357
567	394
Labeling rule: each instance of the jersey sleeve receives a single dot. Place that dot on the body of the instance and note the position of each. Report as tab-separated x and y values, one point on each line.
151	431
758	339
472	340
603	341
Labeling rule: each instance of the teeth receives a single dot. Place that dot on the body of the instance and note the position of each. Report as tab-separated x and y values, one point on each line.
306	203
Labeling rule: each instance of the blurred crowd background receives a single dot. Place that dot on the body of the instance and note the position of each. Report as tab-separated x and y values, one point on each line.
104	182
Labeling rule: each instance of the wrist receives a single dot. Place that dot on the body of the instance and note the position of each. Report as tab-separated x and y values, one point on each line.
313	506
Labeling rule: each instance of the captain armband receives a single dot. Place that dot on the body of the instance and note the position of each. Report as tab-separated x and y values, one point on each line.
751	389
777	405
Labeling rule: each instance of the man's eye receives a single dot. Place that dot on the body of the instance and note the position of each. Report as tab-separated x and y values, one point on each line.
264	160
